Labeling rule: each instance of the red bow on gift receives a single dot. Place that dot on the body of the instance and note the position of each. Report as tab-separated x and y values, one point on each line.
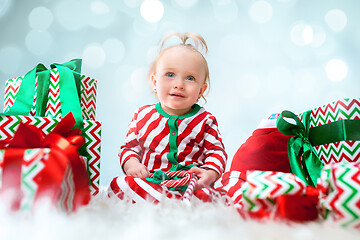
64	143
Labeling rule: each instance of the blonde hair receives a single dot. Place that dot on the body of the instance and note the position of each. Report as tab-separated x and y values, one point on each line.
199	42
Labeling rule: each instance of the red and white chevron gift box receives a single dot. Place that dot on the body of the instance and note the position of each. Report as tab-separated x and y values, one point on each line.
340	193
33	163
343	151
88	89
92	135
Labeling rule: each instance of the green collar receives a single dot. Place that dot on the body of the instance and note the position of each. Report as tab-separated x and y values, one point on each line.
195	109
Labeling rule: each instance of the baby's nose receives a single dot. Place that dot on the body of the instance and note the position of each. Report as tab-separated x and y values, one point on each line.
179	84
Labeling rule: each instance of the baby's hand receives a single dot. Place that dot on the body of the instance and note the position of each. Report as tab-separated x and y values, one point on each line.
206	176
133	167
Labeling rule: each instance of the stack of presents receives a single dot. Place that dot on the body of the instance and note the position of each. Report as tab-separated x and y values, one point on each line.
303	167
49	138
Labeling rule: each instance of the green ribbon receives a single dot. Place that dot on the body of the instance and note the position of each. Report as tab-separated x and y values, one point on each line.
299	146
69	87
342	130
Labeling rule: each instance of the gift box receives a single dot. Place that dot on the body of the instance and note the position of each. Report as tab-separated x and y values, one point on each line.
33	163
42	96
87	92
342	116
324	135
339	186
35	167
280	195
263	187
92	135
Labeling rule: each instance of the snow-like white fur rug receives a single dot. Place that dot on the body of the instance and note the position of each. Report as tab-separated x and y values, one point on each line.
106	218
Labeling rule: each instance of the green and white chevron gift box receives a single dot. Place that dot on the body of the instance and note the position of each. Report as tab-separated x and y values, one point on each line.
91	133
339	186
88	87
324	135
262	188
345	113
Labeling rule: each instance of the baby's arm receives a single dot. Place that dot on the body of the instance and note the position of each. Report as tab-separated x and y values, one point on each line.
206	176
133	167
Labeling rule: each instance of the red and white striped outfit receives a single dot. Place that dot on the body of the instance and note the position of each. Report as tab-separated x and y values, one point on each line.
168	142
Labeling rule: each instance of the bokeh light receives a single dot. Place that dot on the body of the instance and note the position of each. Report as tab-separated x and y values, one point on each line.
336	70
40	18
152	10
114	50
302	34
261	11
225	11
319	36
94	56
336	20
10	60
308	34
38	42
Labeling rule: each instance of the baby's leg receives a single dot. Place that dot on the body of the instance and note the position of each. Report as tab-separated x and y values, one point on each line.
139	190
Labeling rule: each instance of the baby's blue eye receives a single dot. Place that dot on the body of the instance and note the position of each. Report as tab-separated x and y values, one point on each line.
171	75
190	78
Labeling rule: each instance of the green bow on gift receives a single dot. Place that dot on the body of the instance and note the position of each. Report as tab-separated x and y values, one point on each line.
301	145
69	90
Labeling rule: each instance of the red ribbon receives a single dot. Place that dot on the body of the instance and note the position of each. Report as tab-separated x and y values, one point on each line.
64	143
298	208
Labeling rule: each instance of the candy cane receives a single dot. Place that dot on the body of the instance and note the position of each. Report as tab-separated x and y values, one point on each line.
189	179
190	189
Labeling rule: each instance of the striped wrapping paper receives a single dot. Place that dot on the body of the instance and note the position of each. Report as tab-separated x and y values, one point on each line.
92	134
340	193
343	151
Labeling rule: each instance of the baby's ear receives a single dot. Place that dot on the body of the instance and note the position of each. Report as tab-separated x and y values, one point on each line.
203	89
153	79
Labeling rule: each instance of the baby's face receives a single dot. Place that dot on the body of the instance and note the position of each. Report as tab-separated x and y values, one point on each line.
179	79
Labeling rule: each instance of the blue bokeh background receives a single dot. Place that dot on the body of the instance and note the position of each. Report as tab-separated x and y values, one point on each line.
264	56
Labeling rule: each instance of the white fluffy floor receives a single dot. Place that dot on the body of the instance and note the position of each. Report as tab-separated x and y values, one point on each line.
107	218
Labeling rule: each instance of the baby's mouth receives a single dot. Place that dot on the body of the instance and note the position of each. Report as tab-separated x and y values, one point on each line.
177	95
